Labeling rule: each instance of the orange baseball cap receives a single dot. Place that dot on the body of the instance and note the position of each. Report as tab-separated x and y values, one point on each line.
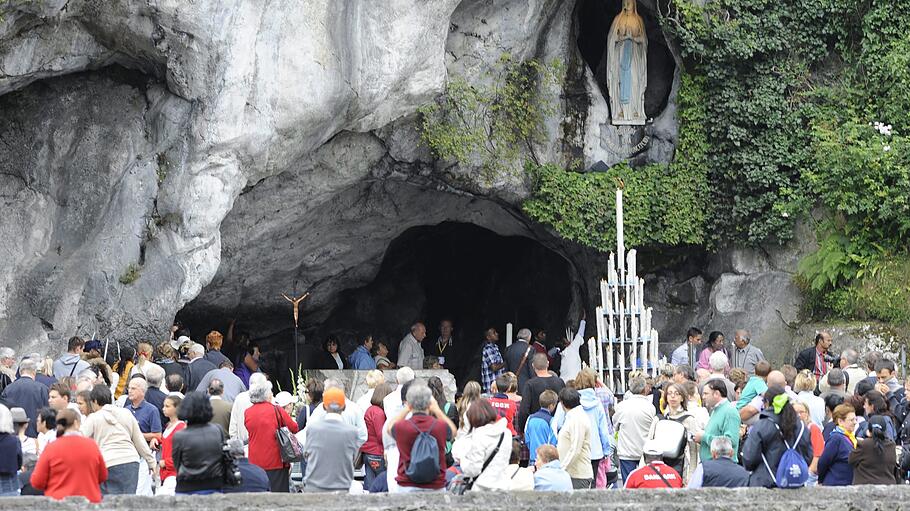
333	400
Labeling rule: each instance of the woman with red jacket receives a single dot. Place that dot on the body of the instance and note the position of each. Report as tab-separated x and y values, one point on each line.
72	465
168	473
262	421
372	449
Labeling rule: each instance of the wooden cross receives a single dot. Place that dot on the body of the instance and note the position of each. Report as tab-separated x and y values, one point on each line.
296	302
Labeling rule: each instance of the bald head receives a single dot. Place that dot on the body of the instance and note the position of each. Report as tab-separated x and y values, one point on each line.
777	378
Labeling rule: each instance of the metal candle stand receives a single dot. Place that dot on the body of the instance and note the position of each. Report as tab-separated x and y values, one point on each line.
623	322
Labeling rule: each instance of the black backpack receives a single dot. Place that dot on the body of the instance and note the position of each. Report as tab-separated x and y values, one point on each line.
424	465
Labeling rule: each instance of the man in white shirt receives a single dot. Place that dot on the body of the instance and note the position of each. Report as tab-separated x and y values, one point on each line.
633	418
410	351
237	428
685	353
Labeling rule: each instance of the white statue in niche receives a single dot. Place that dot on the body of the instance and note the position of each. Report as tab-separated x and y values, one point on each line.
627	66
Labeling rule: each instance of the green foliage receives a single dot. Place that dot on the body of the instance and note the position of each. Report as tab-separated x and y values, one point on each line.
882	292
662	205
162	168
659	206
130	275
490	122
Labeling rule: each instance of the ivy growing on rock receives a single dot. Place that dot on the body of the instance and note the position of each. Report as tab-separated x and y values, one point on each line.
663	205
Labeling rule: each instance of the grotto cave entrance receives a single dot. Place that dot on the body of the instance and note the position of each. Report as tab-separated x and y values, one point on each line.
462	272
594	17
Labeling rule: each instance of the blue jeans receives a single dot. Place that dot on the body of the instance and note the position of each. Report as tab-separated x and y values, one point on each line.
199	492
9	486
626	467
121	479
372	465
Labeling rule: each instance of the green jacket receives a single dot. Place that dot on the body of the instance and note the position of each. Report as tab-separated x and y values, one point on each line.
724	421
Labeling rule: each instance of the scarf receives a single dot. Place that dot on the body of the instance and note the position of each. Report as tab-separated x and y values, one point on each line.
849	434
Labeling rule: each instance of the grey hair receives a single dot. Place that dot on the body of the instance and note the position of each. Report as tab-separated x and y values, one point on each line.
850	355
718	361
404	375
197	348
332	383
836	377
722	446
419	396
154	375
7	352
525	334
258	378
141	382
260	392
216	387
28	366
637	385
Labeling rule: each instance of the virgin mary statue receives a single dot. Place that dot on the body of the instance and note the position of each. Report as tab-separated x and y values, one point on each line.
627	66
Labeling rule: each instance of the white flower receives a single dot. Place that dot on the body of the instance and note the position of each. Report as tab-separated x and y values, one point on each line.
785	214
886	148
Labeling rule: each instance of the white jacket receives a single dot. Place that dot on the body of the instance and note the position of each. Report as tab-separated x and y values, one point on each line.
473	449
633	417
570	365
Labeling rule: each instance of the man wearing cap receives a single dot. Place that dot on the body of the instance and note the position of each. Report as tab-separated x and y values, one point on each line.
71	363
330	447
92	349
655	473
350	413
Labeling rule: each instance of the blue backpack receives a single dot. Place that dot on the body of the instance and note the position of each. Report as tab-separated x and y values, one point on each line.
424	465
792	470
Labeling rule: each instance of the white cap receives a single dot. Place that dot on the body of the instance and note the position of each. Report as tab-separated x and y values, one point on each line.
180	341
283	399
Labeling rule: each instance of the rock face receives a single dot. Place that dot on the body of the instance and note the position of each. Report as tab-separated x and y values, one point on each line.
207	156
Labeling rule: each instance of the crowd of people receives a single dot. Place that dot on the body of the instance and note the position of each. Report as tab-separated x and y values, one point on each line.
182	418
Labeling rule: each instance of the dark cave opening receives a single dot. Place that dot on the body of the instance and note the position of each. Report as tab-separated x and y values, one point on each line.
461	272
594	18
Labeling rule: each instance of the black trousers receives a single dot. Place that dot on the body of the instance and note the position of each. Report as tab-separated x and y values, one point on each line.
279	480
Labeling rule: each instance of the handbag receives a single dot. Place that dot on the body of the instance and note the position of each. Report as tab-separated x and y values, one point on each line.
462	483
230	469
288	446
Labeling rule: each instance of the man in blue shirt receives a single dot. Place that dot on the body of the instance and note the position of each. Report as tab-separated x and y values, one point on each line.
361	358
149	424
145	413
550	475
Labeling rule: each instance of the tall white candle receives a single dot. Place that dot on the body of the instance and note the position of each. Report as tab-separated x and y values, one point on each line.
509	334
622	350
611	334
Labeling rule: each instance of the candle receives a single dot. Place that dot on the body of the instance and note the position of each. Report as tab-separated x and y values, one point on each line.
633	335
509	334
601	333
611	335
622	350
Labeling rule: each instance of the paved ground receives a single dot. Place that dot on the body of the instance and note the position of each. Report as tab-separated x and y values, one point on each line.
833	499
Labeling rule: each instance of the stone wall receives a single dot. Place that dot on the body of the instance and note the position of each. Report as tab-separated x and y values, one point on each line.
885	498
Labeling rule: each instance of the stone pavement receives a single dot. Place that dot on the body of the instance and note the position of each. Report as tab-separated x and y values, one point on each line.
831	499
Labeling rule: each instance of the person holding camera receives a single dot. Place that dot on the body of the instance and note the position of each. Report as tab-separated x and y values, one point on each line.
818	358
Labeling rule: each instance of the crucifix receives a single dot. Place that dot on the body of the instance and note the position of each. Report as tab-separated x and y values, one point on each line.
296	302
